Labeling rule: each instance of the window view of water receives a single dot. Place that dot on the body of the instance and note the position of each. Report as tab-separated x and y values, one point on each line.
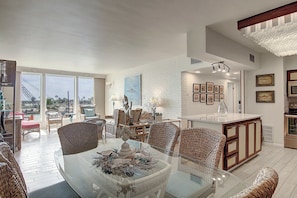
86	90
60	93
30	96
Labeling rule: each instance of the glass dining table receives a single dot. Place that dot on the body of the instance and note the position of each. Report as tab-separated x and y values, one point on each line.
169	174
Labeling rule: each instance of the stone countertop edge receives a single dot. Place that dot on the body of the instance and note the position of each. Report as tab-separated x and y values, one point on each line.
220	119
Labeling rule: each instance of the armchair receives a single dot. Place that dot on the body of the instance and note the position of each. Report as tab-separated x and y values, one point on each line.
88	112
53	117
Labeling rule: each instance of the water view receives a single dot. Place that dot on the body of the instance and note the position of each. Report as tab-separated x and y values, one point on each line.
59	91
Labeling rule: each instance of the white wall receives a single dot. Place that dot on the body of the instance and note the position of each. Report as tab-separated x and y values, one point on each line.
190	107
166	79
159	79
208	45
272	113
224	47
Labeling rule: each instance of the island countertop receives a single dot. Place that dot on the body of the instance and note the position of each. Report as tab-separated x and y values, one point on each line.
218	119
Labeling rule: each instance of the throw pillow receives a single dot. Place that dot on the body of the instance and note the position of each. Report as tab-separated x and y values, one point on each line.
89	112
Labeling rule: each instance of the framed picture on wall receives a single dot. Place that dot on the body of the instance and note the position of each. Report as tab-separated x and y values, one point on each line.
221	89
221	97
209	87
265	80
265	96
132	88
203	88
209	99
216	89
196	87
202	98
196	97
217	97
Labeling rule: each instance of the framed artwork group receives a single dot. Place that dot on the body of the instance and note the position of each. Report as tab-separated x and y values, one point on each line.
207	93
266	96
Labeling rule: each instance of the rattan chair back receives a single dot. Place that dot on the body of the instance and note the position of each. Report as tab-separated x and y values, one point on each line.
17	186
202	144
12	183
263	186
9	185
78	137
163	136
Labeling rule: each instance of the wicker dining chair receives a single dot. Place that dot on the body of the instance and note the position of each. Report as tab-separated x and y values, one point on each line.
6	156
9	185
78	137
101	123
199	145
163	136
202	144
12	183
263	186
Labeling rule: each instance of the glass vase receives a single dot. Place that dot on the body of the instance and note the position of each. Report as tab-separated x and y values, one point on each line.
222	108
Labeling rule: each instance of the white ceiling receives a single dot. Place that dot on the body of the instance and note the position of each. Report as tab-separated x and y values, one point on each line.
101	36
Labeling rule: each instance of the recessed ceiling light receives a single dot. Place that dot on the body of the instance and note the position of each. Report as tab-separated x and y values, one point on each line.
197	72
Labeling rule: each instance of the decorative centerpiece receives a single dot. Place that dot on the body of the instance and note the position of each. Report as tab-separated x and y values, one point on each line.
125	148
125	161
112	162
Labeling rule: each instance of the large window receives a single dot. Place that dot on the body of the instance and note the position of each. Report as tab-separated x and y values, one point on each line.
85	90
30	96
60	93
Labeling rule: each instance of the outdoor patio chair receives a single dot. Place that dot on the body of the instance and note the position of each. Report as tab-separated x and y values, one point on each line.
53	117
88	112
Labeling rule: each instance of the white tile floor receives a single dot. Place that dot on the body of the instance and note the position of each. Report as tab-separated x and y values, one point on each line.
36	159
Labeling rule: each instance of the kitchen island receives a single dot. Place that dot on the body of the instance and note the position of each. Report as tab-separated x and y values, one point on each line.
243	134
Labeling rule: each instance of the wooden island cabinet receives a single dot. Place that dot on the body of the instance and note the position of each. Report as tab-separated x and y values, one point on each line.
243	135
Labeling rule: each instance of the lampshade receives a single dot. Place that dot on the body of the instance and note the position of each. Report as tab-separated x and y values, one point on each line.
274	30
154	101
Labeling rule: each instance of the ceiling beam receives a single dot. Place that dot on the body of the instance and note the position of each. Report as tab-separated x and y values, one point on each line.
271	14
